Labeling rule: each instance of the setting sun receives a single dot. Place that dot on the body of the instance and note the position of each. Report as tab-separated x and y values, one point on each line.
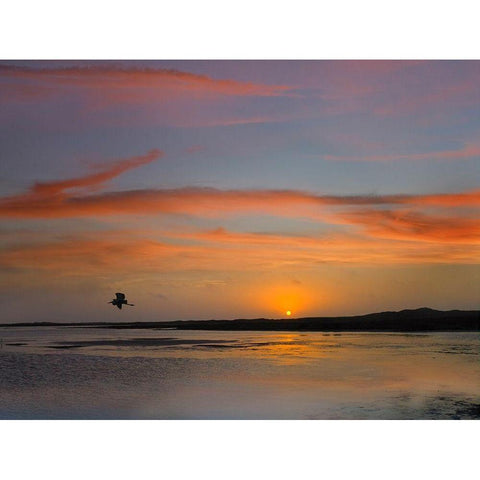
283	299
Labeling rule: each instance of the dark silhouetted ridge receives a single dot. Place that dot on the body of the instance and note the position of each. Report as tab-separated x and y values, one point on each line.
417	320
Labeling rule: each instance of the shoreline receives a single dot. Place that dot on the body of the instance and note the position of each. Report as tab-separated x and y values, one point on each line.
405	321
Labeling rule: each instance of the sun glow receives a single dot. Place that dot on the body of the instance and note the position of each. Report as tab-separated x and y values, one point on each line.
284	300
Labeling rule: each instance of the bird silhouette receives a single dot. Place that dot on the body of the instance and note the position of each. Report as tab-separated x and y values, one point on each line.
120	300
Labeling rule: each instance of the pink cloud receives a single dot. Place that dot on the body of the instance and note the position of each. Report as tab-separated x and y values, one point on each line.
467	151
461	93
115	169
126	84
195	149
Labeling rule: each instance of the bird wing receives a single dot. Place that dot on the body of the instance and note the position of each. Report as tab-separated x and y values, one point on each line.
120	296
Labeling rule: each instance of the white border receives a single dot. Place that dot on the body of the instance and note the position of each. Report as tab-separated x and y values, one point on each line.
239	449
215	29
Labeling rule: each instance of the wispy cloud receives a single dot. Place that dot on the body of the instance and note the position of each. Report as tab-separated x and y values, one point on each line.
431	95
125	84
188	200
195	149
467	151
44	201
223	251
416	226
52	195
401	217
116	168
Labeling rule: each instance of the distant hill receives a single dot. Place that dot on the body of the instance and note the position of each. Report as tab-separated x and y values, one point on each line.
418	320
421	319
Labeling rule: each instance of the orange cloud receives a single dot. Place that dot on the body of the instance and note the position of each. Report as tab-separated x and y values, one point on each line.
383	216
383	246
195	201
465	199
79	257
221	251
203	201
415	226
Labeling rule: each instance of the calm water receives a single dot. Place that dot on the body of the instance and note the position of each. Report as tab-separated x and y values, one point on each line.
86	373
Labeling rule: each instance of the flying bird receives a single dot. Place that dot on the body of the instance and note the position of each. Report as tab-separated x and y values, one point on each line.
120	300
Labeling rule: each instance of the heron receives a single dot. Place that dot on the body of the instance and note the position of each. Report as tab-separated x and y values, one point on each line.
120	300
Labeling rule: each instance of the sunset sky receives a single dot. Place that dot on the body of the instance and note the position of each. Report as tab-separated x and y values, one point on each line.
226	189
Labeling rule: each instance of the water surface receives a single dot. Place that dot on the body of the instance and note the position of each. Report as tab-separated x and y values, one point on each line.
97	373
